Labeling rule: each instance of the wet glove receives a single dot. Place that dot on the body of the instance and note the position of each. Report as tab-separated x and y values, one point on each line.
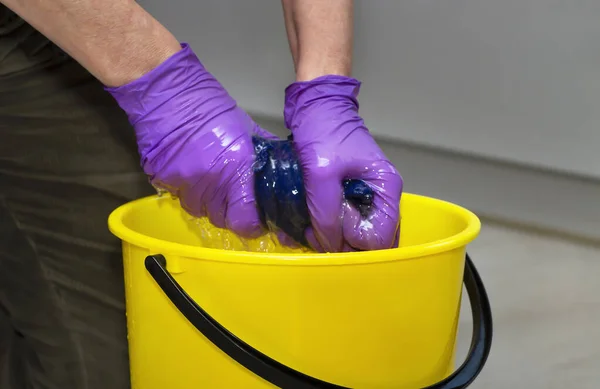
334	145
195	142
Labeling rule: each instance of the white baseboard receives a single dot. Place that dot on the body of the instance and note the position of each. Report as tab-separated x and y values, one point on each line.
510	193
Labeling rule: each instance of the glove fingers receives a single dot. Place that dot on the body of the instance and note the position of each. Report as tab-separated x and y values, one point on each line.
191	204
313	241
379	230
242	214
324	198
242	218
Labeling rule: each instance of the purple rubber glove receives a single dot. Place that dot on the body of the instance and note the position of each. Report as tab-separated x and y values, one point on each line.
194	141
333	144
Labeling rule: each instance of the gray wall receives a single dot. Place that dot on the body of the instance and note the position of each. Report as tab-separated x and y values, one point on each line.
517	80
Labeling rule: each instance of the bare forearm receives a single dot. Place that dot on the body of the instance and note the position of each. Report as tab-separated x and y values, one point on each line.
116	40
290	28
320	36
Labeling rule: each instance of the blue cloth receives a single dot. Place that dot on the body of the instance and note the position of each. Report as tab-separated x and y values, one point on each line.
280	192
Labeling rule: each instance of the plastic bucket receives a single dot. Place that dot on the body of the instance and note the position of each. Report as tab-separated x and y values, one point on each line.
207	318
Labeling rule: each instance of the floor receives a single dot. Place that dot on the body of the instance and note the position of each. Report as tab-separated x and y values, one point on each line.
545	296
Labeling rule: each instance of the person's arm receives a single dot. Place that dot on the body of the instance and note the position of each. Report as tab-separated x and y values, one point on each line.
321	111
116	40
320	36
290	29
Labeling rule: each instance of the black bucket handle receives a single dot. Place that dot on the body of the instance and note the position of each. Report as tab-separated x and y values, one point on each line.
287	378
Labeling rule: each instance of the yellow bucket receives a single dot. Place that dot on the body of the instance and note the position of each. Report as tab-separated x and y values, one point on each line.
229	319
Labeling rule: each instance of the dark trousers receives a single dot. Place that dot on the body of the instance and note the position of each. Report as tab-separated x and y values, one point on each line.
67	158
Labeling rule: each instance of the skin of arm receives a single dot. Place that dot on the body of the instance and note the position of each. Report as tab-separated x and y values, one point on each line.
320	33
118	41
115	40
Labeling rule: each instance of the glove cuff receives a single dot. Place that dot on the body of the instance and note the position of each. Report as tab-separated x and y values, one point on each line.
302	94
158	86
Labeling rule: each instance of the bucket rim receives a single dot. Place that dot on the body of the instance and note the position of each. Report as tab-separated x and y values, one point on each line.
464	237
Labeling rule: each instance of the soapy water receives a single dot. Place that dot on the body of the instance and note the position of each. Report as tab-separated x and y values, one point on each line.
218	238
281	202
214	237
